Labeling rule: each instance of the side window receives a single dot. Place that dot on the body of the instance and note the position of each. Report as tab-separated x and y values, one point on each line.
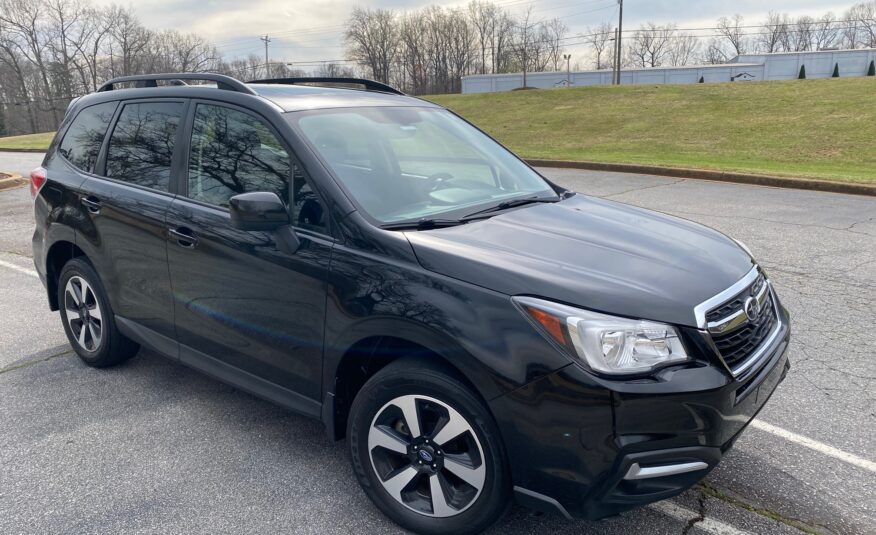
83	139
234	152
141	145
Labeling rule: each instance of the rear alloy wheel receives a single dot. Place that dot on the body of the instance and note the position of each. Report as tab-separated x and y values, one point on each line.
426	450
440	476
83	313
88	319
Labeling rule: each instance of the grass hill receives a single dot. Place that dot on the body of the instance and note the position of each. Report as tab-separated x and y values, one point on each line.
808	128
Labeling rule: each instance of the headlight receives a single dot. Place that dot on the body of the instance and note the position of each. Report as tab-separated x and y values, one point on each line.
607	344
743	246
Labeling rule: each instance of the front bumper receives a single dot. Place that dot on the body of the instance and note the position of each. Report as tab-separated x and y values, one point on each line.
583	446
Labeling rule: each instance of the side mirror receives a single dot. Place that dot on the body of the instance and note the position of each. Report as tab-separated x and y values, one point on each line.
258	210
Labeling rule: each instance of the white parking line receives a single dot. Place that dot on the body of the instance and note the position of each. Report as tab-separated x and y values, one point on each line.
815	445
19	269
683	514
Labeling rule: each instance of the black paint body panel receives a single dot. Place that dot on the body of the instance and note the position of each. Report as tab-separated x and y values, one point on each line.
280	324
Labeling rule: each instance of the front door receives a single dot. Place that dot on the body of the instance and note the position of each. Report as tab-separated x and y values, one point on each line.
240	303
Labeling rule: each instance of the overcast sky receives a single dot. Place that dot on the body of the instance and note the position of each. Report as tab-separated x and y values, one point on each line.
312	30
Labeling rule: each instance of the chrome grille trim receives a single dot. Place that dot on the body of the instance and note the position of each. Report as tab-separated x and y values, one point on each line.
761	351
739	318
701	309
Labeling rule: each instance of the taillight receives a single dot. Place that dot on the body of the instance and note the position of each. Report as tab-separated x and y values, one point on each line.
37	179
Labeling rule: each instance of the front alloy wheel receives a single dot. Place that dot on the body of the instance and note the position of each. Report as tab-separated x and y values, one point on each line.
426	455
426	450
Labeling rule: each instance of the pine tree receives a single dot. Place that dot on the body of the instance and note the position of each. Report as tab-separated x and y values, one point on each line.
872	70
802	72
835	71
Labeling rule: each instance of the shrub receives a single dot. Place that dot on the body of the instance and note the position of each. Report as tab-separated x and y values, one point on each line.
802	72
872	70
702	80
835	71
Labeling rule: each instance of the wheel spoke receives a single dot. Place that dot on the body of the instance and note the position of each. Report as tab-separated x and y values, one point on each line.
73	315
385	439
408	406
81	337
74	292
94	312
452	428
95	336
440	507
472	476
398	482
86	293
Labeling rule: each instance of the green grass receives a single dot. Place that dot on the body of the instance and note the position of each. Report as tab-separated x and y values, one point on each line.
823	129
31	141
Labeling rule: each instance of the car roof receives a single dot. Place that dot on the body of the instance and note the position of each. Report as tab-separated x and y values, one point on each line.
286	97
305	97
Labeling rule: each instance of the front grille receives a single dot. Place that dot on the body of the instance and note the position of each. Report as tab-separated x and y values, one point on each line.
737	345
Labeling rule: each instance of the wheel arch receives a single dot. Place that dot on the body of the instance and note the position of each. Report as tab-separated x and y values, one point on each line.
61	252
364	352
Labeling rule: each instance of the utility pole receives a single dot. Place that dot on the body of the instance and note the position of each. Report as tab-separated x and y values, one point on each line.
267	40
568	57
614	60
620	34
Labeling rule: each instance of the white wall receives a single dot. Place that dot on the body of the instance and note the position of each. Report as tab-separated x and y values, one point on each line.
783	66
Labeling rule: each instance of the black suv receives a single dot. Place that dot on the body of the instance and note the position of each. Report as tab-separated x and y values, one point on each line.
370	259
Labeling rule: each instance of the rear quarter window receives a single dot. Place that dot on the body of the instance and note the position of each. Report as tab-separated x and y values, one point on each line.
83	139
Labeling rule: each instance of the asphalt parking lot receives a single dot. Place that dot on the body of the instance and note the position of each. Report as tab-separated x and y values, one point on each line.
154	447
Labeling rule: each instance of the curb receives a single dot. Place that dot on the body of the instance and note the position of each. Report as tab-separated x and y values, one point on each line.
12	181
22	150
720	176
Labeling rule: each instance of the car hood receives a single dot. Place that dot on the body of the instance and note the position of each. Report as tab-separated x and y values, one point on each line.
593	253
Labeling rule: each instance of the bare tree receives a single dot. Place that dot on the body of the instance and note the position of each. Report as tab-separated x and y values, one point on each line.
733	31
774	34
651	45
826	32
553	32
860	31
599	39
683	50
372	40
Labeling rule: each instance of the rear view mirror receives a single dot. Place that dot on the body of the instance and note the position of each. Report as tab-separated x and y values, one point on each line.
258	210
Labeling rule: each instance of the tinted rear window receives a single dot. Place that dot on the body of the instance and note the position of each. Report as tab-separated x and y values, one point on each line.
85	136
141	145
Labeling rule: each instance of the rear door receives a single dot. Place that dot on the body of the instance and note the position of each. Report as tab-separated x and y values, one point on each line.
241	303
126	202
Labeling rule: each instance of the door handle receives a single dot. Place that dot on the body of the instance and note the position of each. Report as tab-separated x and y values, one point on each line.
92	203
184	237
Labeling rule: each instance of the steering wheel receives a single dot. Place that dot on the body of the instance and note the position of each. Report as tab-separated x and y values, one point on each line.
434	181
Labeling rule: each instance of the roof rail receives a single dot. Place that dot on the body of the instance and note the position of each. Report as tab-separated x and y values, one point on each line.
151	80
369	85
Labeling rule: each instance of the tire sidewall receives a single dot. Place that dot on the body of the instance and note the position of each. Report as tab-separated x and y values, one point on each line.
494	499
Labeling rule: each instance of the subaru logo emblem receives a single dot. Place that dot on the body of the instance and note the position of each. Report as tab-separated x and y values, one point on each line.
426	456
752	308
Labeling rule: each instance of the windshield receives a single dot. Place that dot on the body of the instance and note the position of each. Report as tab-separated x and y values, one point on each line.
411	163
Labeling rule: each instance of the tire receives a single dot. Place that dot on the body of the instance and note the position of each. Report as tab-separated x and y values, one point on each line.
388	454
88	319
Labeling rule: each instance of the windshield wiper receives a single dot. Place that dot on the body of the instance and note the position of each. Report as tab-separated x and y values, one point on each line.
513	203
423	224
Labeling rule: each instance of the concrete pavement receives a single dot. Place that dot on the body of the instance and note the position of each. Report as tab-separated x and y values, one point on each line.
154	447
